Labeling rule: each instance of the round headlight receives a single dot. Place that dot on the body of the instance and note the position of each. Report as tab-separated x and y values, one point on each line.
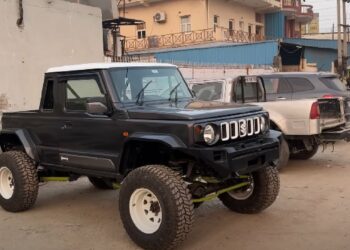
210	136
264	126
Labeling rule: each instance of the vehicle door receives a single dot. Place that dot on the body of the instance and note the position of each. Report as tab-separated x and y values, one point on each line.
44	129
277	88
91	141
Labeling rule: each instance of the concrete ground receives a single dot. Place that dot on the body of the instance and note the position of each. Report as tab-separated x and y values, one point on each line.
311	212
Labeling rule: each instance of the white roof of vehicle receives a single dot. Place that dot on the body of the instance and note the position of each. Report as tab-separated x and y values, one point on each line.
105	66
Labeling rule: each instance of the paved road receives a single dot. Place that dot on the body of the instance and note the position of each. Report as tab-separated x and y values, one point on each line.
312	212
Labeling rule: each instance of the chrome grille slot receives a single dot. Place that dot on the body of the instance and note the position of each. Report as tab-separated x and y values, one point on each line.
225	131
257	127
234	130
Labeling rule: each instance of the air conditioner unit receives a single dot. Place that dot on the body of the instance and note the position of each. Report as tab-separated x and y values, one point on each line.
160	17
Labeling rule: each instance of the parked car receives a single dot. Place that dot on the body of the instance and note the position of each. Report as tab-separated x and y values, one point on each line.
138	126
301	85
305	123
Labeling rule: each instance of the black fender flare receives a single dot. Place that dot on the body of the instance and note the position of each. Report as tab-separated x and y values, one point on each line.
170	141
25	139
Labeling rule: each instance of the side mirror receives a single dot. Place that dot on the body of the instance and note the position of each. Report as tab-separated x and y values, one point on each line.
194	93
96	108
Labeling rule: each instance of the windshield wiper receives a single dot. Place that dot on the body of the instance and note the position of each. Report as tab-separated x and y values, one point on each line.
173	90
142	93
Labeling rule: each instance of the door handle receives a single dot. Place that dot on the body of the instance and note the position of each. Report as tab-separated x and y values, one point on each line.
67	125
281	98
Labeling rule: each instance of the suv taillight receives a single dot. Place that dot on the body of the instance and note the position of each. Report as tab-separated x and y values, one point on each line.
315	111
328	96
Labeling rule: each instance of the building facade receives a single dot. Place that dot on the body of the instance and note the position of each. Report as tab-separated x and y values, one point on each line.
313	27
177	23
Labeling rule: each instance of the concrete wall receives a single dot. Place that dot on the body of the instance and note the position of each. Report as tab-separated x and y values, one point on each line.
109	7
54	33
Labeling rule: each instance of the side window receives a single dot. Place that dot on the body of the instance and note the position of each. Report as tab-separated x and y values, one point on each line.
49	98
277	86
80	91
300	84
252	92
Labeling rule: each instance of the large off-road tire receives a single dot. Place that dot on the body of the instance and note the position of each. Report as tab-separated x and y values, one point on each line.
19	182
101	183
284	154
262	192
156	207
305	155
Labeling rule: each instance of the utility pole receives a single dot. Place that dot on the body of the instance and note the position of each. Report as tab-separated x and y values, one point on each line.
340	47
345	41
342	43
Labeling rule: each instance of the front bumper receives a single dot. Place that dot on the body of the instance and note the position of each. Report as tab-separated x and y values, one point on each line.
239	158
339	134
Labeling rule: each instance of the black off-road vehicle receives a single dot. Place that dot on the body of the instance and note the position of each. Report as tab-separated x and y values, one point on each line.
138	127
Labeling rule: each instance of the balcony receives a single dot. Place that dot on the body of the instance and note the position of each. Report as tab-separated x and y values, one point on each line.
300	12
131	3
182	39
260	5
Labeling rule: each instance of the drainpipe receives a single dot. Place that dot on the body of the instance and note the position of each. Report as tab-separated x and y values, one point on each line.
20	8
207	4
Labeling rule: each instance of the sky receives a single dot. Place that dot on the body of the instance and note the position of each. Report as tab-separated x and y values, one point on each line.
328	13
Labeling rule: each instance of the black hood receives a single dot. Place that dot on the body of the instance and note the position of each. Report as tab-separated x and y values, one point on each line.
189	110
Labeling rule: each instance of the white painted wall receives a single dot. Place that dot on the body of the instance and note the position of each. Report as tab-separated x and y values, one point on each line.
54	33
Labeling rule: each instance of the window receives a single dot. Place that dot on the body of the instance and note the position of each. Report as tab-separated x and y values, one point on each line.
241	25
300	84
141	31
252	92
211	91
49	98
216	20
250	29
80	91
276	86
231	24
333	83
186	24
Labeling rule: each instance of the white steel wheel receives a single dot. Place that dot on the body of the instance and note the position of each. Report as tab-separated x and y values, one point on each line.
145	210
7	183
243	193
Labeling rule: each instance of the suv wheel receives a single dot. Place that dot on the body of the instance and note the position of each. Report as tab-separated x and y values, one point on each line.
18	181
257	196
305	155
284	154
156	207
101	183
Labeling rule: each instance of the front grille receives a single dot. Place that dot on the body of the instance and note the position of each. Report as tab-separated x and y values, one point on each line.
240	128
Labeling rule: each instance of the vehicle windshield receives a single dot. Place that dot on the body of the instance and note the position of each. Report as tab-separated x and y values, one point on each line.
333	83
129	83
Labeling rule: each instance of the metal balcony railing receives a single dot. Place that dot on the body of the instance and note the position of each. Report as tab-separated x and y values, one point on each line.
299	8
238	36
219	34
170	40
